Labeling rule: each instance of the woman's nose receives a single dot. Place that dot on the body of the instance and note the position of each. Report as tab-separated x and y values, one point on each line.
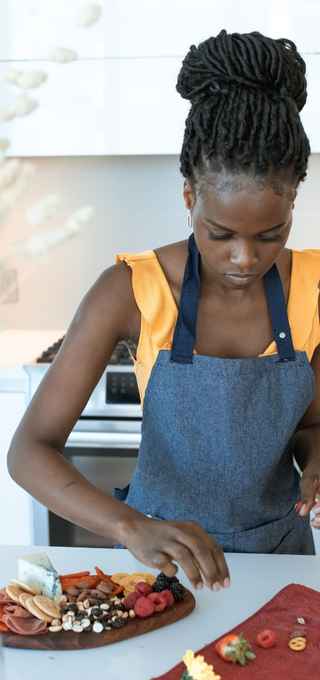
244	257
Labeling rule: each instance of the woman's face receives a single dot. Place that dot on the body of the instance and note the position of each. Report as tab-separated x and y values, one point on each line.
240	228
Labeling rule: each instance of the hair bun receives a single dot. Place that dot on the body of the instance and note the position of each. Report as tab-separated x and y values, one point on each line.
243	60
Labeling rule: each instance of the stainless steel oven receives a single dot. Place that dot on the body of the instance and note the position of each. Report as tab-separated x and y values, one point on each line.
103	445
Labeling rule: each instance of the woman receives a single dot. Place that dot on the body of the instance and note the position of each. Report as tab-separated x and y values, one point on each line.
229	384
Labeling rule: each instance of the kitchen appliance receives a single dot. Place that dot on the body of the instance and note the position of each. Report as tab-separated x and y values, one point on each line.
103	444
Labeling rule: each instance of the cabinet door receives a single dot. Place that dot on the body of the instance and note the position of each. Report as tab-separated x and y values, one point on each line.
112	107
15	524
118	107
144	28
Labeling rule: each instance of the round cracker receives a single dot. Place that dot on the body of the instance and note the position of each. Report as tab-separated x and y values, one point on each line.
47	606
22	599
24	587
14	593
38	613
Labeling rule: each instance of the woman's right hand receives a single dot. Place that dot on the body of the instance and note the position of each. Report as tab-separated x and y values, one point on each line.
160	543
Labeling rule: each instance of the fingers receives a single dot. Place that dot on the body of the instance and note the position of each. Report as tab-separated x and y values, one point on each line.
309	486
184	557
207	556
213	567
169	569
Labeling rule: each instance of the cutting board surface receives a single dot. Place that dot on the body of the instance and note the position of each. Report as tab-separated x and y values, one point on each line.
68	640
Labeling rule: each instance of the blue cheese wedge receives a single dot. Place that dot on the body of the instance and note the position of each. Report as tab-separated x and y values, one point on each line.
37	572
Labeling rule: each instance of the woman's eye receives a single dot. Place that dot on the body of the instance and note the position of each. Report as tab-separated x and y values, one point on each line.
218	237
225	237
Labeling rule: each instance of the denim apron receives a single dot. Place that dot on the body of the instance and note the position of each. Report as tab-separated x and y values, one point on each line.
215	445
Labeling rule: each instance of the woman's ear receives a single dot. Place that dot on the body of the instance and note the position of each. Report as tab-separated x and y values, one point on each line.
188	195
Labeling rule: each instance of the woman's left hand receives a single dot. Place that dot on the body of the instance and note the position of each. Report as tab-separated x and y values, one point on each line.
310	493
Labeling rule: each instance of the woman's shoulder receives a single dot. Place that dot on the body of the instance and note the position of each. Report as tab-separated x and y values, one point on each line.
307	264
165	263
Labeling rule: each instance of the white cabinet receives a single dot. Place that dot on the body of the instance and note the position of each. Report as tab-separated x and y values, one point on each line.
15	524
119	98
127	106
119	107
148	27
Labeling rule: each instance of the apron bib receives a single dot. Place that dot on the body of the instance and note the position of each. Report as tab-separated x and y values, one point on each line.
216	433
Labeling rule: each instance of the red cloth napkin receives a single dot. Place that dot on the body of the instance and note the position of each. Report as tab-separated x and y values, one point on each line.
279	662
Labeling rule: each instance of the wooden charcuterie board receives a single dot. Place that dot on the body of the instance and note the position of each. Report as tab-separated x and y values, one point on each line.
68	640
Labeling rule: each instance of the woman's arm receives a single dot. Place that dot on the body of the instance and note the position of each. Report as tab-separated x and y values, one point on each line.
107	314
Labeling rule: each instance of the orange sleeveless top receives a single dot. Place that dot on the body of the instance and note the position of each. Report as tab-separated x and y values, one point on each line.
159	310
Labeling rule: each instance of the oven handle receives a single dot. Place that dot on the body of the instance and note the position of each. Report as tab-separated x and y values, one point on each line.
114	440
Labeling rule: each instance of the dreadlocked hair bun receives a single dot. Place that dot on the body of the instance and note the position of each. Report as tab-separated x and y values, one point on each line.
246	92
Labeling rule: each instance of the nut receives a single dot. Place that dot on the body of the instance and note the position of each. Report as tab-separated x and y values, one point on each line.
132	613
119	613
97	627
68	617
86	604
77	627
81	607
67	625
62	600
104	606
125	615
56	622
83	596
301	620
55	629
85	623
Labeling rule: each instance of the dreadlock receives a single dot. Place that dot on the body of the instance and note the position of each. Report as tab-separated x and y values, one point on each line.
246	92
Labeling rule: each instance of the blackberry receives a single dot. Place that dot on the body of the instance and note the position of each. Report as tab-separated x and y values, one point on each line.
178	591
164	582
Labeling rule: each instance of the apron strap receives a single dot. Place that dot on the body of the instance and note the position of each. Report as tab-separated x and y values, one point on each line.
185	330
278	314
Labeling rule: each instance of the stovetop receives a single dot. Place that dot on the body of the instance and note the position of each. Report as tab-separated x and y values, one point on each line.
120	355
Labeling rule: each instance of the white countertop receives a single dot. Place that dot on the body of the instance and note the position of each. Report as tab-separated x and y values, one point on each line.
254	580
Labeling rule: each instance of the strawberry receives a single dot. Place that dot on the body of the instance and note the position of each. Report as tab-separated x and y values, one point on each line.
235	648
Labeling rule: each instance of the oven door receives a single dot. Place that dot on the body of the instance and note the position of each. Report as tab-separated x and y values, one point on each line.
105	452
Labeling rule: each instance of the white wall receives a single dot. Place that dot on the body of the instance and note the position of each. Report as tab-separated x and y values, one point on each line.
139	205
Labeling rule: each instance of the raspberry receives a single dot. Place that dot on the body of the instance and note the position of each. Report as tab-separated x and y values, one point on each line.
143	588
144	607
160	603
130	600
167	596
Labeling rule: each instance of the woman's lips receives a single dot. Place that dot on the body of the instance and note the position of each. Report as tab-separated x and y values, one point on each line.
240	278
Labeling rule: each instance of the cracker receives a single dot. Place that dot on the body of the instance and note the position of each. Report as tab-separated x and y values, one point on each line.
47	606
24	587
14	593
38	613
